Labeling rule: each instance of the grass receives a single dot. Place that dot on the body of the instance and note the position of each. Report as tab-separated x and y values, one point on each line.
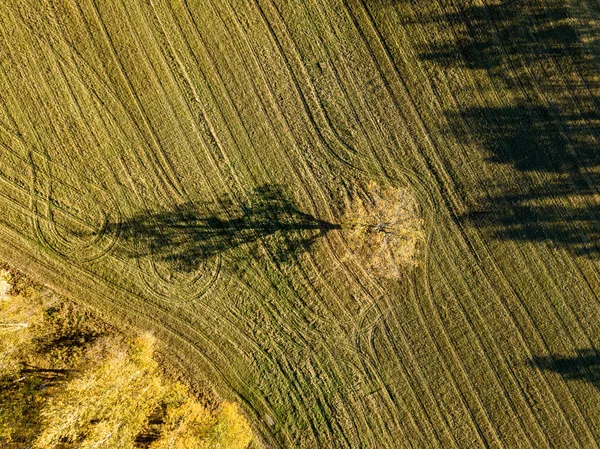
127	128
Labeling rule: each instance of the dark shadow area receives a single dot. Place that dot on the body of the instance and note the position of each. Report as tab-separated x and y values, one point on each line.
541	217
488	36
533	138
152	430
20	398
586	366
73	341
66	332
561	207
184	237
551	142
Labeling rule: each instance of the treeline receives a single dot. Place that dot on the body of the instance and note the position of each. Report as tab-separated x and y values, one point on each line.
67	380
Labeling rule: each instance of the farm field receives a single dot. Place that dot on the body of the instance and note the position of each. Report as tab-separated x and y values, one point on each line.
185	167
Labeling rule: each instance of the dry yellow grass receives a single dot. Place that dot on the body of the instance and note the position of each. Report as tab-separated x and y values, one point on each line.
135	137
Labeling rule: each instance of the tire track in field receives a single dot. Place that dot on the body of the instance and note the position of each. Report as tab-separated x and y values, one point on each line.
45	161
150	315
505	359
46	229
213	140
540	95
538	89
558	66
330	140
168	177
150	323
75	53
195	286
309	80
551	62
440	325
110	104
380	337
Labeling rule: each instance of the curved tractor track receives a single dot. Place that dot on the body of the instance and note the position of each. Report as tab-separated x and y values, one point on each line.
183	167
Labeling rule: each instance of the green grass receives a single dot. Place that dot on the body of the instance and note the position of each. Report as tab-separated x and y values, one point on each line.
138	139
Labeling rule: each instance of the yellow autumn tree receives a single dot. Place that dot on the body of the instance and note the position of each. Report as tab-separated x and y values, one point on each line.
18	316
108	405
105	395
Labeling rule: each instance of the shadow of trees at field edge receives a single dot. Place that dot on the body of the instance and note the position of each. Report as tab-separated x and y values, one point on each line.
585	366
486	35
552	145
561	206
182	238
534	138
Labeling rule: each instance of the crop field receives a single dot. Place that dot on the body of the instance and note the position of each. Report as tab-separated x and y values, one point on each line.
185	167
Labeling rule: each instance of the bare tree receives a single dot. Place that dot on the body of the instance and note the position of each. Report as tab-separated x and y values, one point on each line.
385	229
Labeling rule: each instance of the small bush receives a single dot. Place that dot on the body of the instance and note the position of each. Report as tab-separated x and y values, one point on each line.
189	425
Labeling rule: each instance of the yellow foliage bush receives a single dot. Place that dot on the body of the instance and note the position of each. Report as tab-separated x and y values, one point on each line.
230	430
189	425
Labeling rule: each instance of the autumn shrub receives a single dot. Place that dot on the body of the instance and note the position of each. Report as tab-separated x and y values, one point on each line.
190	425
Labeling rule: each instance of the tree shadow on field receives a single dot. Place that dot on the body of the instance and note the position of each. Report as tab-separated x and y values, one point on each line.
184	237
487	36
552	144
542	216
534	138
585	366
558	202
533	68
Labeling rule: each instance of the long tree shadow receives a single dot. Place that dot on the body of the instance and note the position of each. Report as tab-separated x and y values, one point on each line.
514	40
543	216
546	54
585	366
189	234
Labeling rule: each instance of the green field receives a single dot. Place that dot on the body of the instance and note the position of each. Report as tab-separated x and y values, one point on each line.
184	166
